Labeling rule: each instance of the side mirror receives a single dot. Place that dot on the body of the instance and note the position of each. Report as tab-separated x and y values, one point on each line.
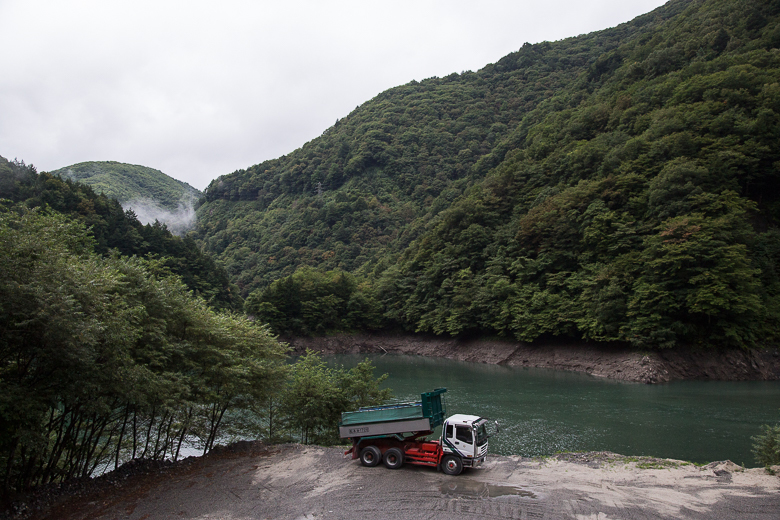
498	429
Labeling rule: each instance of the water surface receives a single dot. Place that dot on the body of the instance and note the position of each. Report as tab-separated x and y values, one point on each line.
544	411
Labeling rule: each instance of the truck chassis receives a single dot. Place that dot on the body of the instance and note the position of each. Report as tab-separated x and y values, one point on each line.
394	453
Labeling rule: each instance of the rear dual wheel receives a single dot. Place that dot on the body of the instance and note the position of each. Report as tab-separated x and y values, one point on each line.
394	458
370	456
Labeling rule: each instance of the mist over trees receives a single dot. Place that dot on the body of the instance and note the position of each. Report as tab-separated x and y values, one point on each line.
178	221
129	182
150	194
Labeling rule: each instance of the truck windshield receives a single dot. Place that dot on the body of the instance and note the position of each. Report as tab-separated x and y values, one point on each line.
482	434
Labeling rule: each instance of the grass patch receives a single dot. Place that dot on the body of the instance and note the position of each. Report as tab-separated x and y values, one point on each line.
655	463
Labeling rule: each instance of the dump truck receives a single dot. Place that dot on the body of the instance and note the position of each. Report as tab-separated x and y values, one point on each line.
396	434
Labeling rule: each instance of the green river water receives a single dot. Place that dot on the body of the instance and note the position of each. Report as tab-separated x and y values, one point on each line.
544	411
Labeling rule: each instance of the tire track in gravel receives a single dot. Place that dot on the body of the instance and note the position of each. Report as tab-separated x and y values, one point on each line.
308	482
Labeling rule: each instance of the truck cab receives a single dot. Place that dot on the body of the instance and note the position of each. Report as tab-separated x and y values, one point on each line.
464	442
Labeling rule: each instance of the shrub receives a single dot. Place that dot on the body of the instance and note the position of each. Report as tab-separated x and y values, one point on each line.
766	447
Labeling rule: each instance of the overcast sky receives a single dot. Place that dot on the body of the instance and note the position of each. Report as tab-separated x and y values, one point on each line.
199	89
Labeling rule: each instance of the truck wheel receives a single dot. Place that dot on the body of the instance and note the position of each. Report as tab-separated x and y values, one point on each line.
370	456
451	465
394	458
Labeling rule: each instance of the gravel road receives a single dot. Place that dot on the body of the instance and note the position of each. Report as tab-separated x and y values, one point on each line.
307	482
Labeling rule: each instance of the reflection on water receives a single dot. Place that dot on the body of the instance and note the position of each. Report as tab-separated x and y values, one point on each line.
466	488
545	411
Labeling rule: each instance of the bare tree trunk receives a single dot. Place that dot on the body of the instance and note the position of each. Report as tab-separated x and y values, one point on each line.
58	440
121	435
155	451
270	418
168	442
106	444
71	452
149	432
135	432
89	466
215	426
63	440
183	432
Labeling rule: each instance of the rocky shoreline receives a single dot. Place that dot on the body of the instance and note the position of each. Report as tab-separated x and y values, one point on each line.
601	360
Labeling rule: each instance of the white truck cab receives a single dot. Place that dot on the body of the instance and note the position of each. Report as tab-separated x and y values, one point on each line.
465	436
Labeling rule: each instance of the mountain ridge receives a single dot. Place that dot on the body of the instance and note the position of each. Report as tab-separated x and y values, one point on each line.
454	131
615	186
149	193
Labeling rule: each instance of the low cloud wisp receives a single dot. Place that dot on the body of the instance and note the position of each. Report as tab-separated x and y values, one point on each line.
178	222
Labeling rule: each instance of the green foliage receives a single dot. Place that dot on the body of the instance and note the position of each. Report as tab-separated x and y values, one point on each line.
130	182
109	358
316	395
766	447
114	228
617	186
310	302
385	169
105	359
696	274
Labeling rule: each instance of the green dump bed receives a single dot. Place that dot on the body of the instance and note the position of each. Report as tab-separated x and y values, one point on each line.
420	416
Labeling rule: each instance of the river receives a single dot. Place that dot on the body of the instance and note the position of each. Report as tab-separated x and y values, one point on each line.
544	411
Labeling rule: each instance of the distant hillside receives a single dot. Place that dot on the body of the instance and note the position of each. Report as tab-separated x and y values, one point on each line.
369	184
150	193
115	229
622	185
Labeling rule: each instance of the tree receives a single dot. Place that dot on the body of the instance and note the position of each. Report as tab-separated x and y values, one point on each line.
316	395
313	302
698	282
766	446
107	359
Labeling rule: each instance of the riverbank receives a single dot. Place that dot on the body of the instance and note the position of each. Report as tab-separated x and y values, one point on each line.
252	480
601	360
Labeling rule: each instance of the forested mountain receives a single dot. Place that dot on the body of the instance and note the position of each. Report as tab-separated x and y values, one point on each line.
152	195
130	182
115	228
616	186
369	183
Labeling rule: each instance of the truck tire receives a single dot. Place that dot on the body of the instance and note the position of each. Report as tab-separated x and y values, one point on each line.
394	458
451	465
370	456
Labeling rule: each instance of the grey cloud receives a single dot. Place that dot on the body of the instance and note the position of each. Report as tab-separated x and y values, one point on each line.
198	89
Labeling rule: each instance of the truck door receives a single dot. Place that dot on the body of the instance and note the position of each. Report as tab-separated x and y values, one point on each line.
460	439
464	440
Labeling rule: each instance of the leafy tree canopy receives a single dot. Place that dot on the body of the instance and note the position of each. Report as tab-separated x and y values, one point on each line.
105	359
617	186
310	302
110	358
